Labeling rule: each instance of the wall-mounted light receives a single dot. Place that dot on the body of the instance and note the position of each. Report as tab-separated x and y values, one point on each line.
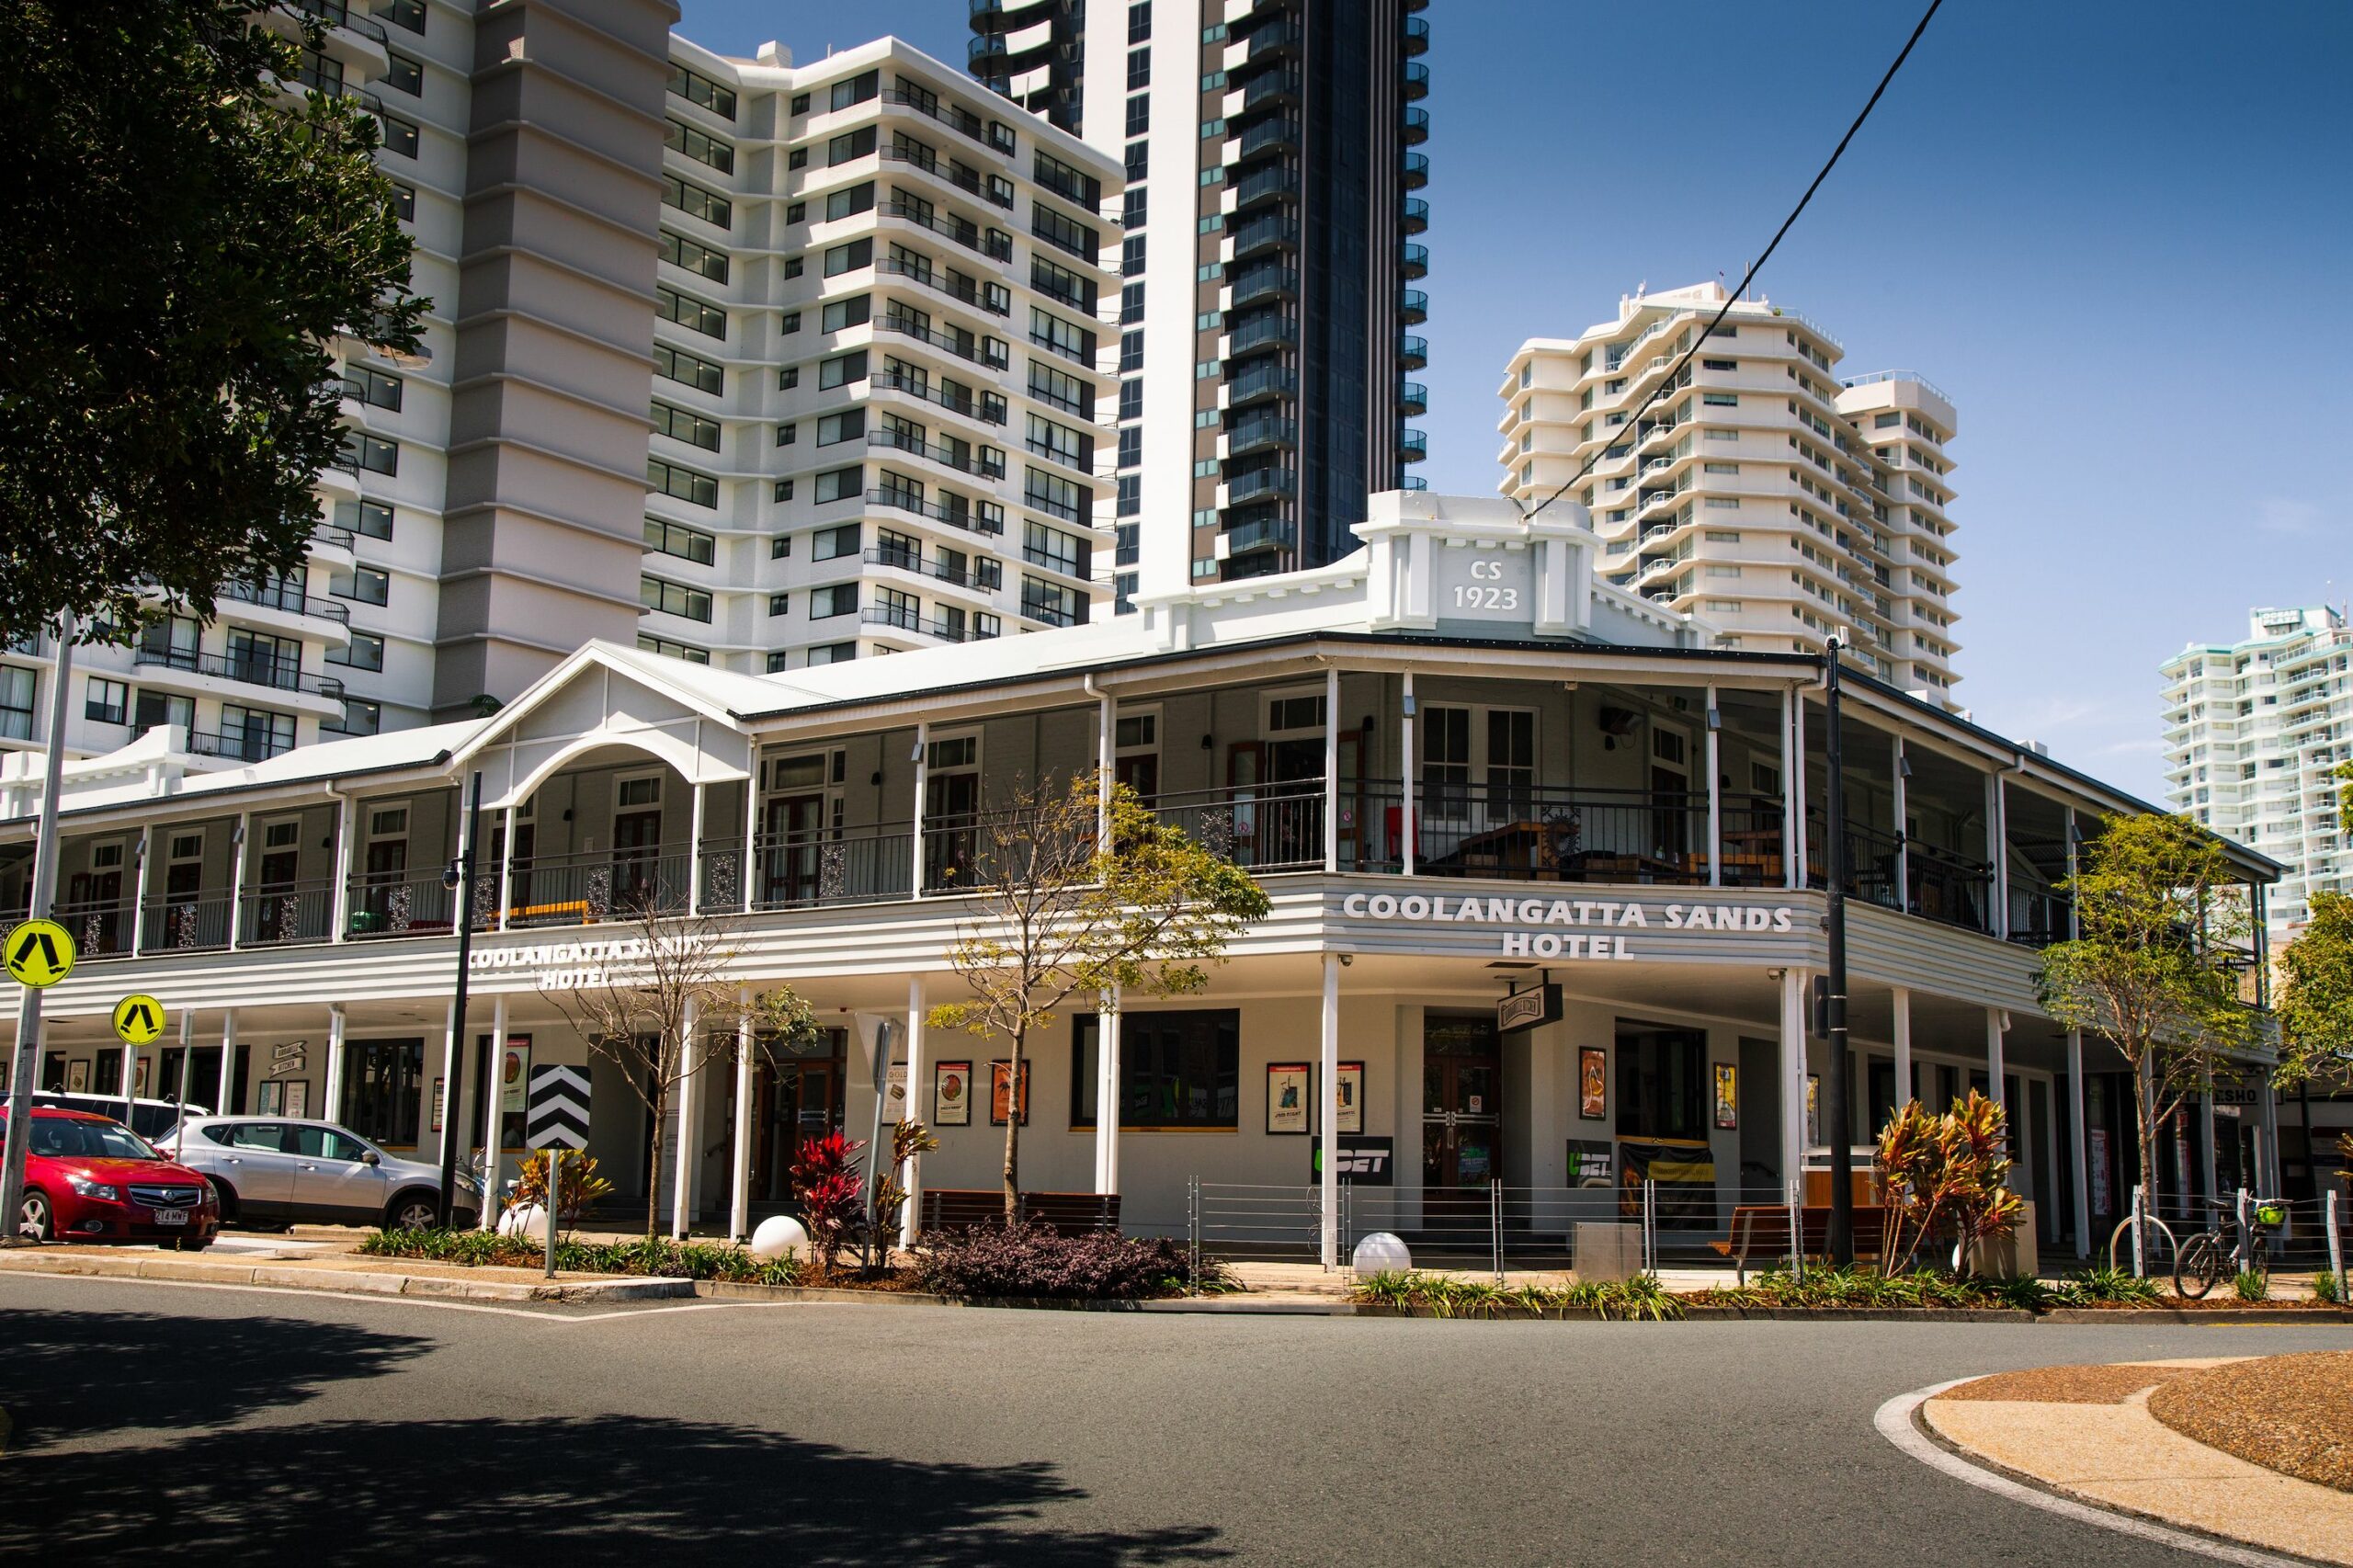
917	754
1715	719
877	779
1903	765
567	813
1208	744
1409	705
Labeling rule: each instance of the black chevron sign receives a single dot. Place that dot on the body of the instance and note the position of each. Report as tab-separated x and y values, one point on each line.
555	1115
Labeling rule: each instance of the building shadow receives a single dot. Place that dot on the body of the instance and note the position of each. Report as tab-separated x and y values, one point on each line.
609	1488
81	1374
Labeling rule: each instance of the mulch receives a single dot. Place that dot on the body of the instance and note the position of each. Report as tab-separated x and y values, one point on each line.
2069	1385
2292	1414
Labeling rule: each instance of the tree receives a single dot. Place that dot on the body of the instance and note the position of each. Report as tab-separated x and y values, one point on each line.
2315	1000
187	240
1946	1174
1062	908
2159	910
663	1010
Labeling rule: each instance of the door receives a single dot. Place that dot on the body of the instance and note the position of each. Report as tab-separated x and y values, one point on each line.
795	834
801	1098
257	1165
951	805
1462	1114
385	890
637	854
277	916
332	1183
519	864
95	899
1760	1120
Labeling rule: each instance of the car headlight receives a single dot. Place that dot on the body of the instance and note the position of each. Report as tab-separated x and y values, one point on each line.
468	1184
89	1189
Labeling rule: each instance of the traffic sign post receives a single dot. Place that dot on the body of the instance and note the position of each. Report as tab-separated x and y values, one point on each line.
39	953
138	1021
40	898
555	1117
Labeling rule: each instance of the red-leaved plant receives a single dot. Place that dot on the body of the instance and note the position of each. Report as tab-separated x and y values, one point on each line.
831	1192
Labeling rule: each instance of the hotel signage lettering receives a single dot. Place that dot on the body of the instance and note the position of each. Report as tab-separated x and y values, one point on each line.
1596	928
565	966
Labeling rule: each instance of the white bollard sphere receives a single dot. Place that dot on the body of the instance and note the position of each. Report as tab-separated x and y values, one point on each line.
1381	1252
524	1220
777	1235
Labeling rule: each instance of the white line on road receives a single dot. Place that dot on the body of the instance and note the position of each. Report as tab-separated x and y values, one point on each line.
1896	1423
380	1299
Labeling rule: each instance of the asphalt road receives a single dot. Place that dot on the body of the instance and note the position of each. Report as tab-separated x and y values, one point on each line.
200	1425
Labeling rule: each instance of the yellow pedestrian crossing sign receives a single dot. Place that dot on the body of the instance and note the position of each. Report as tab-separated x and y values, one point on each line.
138	1018
40	952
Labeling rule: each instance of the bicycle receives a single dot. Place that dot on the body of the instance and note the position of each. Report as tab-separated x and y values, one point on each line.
2208	1257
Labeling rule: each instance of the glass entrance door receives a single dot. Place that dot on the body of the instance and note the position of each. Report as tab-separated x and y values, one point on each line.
800	1099
1461	1111
795	834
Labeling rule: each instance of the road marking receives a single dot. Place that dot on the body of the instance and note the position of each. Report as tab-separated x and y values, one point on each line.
541	1315
1896	1422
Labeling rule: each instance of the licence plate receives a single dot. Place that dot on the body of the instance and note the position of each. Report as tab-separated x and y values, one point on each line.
171	1216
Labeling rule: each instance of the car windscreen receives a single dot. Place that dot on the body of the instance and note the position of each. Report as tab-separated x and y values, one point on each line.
61	1137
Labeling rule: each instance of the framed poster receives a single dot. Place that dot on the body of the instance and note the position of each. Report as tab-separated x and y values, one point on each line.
894	1093
1593	1082
77	1076
269	1097
438	1084
1000	1075
1727	1081
1351	1097
1291	1090
298	1096
1813	1110
951	1093
514	1073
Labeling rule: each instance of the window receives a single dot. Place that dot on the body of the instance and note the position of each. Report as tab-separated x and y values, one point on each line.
850	145
677	538
1063	391
399	136
408	13
780	603
360	717
1140	114
832	544
1176	1069
833	653
680	251
383	1078
403	74
1067	338
679	425
1139	161
1065	498
690	312
1660	1081
800	103
848	426
696	202
787	434
105	701
674	598
371	387
840	484
1134	207
1061	283
794	211
856	90
842	369
700	145
1130	351
686	369
788	378
404	201
1066	232
850	201
1053	550
855	310
700	89
362	584
255	734
371	452
849	257
838	599
1052	603
685	483
1131	303
648	642
1140	21
366	652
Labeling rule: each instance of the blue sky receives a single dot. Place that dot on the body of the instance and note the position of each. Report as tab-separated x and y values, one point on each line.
2118	234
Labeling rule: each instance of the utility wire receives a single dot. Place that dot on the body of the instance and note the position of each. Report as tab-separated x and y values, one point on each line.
1668	384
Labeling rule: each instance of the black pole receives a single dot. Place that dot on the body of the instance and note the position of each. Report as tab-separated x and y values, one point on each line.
1842	1154
453	1077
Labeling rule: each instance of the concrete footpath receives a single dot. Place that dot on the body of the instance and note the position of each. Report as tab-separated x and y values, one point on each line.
2087	1433
379	1276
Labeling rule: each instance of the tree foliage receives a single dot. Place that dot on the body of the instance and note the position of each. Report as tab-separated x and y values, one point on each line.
186	240
1062	909
1947	1178
2315	1000
2154	968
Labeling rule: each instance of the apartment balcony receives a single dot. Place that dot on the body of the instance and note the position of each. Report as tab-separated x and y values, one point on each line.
1265	332
962	346
1279	135
1258	434
274	673
1413	445
1417	81
1412	352
1416	261
1264	187
1261	384
1416	217
962	461
954	513
1418	170
1263	283
1264	486
1413	397
1417	34
1269	91
1413	482
1265	45
912	559
1416	124
1414	306
1263	233
989	410
1259	533
996	247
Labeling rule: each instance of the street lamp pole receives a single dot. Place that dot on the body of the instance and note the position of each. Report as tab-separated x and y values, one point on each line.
44	890
453	1075
1842	1155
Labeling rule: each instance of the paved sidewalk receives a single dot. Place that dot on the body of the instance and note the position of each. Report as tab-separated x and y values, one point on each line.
2087	1432
288	1270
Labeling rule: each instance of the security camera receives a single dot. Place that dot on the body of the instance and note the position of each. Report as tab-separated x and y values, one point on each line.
450	876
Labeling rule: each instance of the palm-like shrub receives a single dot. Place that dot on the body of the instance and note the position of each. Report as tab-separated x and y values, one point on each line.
830	1193
1945	1177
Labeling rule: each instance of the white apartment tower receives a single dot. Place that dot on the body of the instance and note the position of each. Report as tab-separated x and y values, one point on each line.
1762	490
2254	733
757	365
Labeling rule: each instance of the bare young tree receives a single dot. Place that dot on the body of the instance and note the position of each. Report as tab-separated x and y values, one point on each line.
661	1009
1071	899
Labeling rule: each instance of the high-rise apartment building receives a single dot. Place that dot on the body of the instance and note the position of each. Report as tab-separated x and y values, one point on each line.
1267	255
2254	730
1763	491
761	366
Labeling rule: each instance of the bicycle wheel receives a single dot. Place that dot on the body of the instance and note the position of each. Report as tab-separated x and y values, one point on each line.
2154	1251
2203	1262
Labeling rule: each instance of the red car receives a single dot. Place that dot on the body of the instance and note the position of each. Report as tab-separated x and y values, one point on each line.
89	1179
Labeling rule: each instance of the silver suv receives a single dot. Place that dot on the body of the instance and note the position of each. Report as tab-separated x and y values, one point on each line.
274	1171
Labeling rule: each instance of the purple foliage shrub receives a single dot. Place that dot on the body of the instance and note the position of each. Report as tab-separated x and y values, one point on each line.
1034	1261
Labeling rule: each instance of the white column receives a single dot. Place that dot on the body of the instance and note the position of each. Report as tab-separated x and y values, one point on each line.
1405	772
1792	868
449	1083
1793	1034
228	1061
506	868
139	902
1996	1021
694	852
739	1183
2083	1159
1330	769
493	1117
1998	850
346	866
751	835
922	767
332	1095
1903	836
1107	1093
1105	762
919	1110
130	1079
1327	1097
682	1198
237	877
1715	795
1804	867
1902	999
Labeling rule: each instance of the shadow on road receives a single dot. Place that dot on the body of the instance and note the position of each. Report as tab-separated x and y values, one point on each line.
598	1488
75	1374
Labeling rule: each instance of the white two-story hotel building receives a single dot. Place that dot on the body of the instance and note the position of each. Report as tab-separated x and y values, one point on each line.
1461	764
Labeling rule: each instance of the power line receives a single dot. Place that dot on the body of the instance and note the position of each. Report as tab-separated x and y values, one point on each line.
1754	267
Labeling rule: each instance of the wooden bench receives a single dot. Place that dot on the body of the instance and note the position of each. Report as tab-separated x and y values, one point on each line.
1762	1230
966	1208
